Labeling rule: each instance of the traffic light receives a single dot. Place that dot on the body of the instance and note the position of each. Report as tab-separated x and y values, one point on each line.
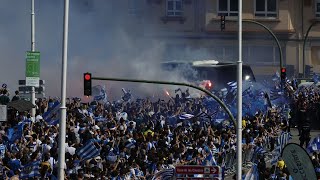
283	74
223	23
87	84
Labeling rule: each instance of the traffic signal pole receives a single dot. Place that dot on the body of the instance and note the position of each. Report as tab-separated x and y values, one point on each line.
172	83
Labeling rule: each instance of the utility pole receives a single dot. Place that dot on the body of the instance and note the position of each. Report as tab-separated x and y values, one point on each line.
239	99
63	108
33	48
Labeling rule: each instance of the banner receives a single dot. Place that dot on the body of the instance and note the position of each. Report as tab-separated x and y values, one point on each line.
32	68
298	162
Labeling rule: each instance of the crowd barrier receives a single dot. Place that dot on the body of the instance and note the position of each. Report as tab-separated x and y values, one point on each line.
250	155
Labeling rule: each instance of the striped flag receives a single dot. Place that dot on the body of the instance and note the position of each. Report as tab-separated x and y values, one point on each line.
88	151
165	174
209	160
284	139
253	173
99	93
314	145
276	154
232	91
30	170
52	116
186	116
259	150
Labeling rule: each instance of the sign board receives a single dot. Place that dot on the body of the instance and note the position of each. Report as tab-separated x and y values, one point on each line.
3	113
32	68
23	82
298	162
198	170
206	172
194	178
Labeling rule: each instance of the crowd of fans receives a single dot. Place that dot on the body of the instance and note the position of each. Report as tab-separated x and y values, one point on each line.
136	138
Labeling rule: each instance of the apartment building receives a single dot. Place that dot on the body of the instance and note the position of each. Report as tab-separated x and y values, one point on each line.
191	29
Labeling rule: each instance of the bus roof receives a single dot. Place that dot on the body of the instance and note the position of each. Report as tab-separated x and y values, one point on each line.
200	63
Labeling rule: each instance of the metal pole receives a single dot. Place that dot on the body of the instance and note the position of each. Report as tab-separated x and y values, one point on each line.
62	124
239	99
274	37
304	47
33	48
173	83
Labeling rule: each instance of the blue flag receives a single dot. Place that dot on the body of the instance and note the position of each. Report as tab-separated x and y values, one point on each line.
30	170
88	151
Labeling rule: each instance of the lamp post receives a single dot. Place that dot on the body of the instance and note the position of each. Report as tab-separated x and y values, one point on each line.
304	47
274	37
62	123
239	96
33	48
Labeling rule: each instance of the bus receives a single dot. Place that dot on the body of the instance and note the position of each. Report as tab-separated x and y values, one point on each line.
211	74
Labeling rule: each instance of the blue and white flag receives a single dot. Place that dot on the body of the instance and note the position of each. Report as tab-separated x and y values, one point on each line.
232	91
99	93
30	170
52	116
314	145
209	160
112	156
284	139
275	155
259	150
126	95
276	76
253	173
15	132
88	151
165	174
186	116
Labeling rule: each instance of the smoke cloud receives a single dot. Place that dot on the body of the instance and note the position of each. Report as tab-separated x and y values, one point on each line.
103	40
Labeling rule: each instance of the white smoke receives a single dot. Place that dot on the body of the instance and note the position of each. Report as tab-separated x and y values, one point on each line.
101	41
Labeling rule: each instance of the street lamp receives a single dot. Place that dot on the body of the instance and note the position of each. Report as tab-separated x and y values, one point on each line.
304	47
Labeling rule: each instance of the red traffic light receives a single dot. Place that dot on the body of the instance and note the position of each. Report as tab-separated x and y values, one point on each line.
283	70
87	77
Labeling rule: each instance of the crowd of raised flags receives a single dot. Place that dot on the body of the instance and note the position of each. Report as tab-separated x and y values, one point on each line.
146	138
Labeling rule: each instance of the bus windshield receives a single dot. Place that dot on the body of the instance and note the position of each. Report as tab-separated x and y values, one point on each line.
219	74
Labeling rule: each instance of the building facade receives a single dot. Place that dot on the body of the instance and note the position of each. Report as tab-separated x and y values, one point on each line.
191	29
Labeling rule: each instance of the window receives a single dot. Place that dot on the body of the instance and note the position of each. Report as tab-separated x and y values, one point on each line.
174	7
266	8
317	9
228	7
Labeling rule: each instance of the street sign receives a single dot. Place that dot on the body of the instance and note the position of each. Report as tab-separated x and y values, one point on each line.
198	170
38	90
23	82
32	68
189	178
3	113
